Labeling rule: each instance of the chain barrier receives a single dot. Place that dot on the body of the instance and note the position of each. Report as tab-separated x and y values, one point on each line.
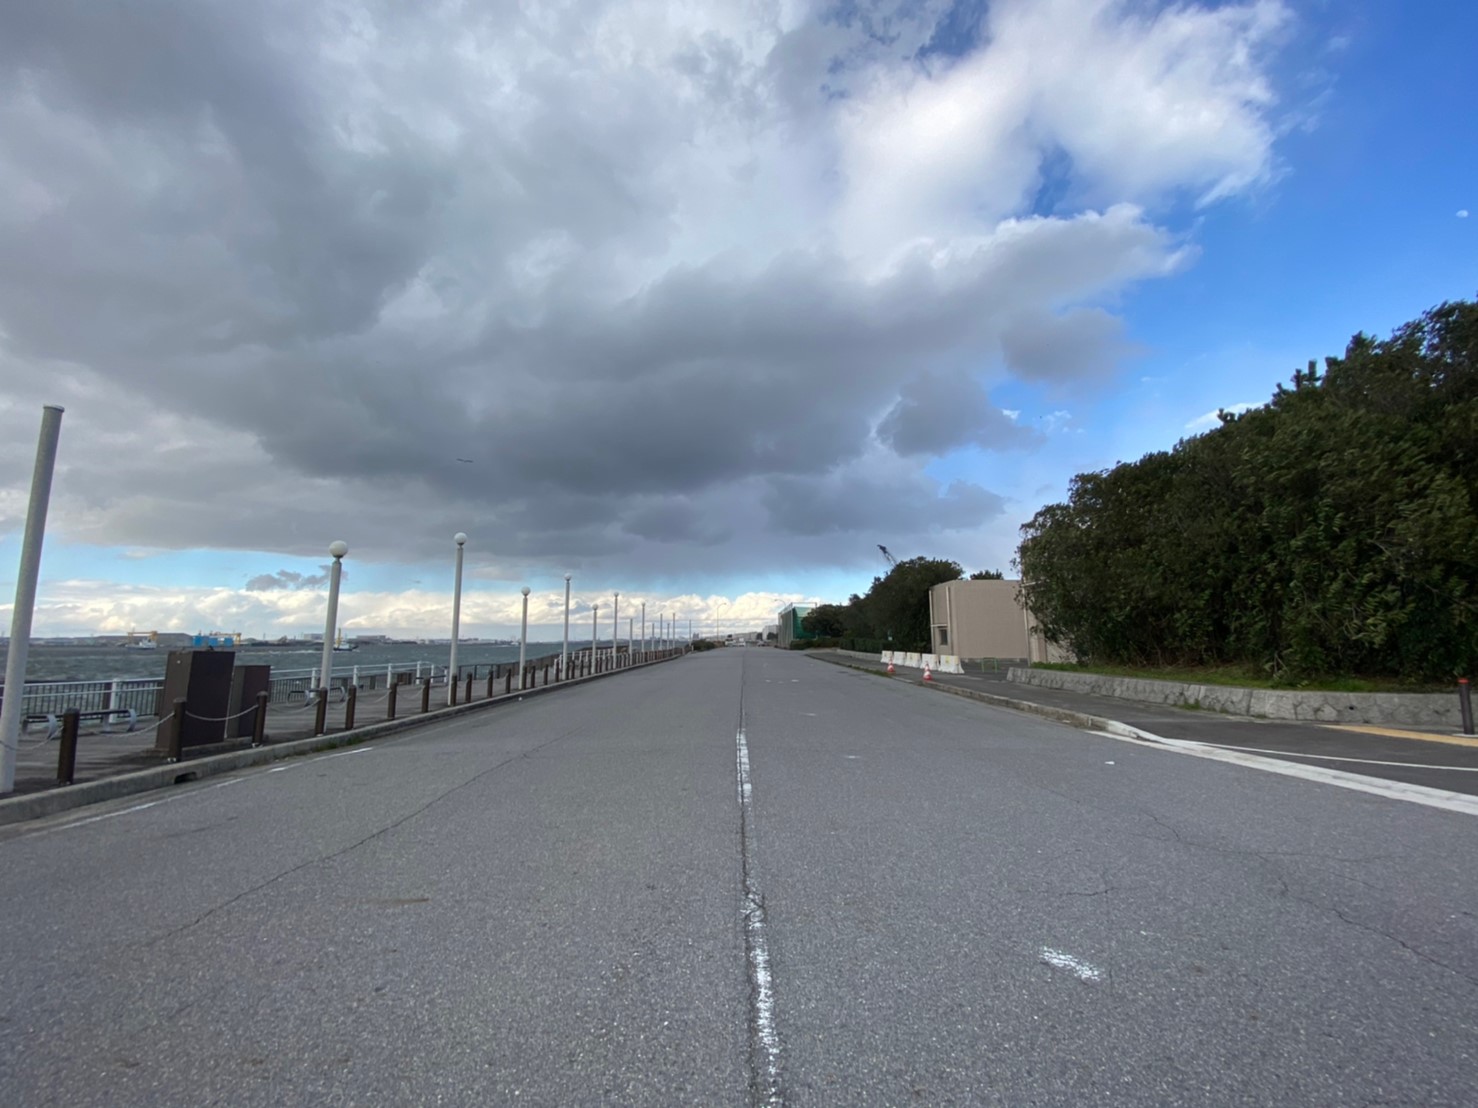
221	719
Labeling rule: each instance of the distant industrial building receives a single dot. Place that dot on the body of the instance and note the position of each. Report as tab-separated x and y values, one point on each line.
985	619
789	628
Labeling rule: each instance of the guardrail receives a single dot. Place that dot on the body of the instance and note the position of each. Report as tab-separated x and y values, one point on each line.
120	694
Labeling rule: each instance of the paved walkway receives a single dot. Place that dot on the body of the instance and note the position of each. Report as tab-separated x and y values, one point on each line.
1414	755
102	754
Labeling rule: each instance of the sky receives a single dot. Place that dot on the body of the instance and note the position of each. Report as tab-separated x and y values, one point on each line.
697	303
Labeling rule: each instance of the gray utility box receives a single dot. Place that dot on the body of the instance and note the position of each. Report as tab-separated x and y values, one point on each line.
246	682
202	678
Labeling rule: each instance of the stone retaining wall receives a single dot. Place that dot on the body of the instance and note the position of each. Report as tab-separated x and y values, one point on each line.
1412	709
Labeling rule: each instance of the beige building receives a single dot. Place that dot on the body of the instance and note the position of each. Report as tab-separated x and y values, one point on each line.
985	619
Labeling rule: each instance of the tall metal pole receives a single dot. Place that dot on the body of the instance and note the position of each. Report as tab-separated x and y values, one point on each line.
451	684
630	642
564	653
643	626
330	624
615	624
594	635
523	636
25	594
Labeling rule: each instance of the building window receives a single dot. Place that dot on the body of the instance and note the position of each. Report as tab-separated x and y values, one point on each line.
944	636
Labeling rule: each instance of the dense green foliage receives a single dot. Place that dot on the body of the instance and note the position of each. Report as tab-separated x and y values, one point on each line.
1332	531
894	615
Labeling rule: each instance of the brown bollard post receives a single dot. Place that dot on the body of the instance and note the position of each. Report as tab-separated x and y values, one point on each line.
546	673
177	732
492	673
468	697
259	721
425	694
451	688
390	700
349	702
320	713
1465	704
508	680
66	762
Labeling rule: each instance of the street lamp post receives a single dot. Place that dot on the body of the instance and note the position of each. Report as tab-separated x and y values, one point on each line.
523	637
12	712
330	626
594	634
615	625
564	653
644	627
451	667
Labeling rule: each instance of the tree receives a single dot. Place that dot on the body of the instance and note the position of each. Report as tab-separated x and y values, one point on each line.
1332	531
899	602
826	621
987	575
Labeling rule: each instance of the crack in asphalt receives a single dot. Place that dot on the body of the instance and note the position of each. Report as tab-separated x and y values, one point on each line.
1271	858
331	855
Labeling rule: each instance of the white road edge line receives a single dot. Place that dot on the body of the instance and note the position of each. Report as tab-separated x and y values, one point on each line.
342	754
1391	790
756	944
1083	971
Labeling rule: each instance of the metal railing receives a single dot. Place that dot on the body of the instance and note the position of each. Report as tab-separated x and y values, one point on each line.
51	698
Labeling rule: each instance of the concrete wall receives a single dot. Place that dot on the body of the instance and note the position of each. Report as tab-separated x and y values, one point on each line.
1412	709
984	619
977	619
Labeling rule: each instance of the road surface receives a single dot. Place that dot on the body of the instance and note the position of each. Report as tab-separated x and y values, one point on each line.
743	878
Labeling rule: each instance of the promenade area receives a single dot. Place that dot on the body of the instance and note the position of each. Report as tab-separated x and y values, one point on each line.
1406	752
111	751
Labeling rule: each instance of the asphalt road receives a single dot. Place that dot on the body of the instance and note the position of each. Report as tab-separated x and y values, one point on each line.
918	899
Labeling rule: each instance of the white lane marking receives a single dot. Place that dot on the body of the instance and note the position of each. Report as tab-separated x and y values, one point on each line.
281	769
1332	758
1391	790
756	942
341	754
1080	969
1108	763
110	815
226	784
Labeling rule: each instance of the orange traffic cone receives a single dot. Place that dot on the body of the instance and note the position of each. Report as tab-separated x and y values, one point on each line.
927	675
890	667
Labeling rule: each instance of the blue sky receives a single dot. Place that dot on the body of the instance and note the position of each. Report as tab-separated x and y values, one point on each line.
617	342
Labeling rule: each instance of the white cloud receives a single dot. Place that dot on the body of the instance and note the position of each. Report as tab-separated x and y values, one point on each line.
663	270
1212	419
85	607
1462	213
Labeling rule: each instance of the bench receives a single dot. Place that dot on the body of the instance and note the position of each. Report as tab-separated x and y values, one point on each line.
107	716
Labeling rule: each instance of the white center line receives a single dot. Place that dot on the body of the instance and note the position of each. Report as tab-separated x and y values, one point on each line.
757	947
1080	969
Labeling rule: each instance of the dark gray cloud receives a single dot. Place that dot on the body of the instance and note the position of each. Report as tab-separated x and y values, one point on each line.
939	412
1082	346
287	262
287	580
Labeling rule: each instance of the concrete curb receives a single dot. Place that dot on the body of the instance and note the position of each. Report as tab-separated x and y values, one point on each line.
18	809
1057	715
1295	705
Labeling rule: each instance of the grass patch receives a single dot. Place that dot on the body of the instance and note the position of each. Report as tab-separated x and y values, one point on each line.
1246	678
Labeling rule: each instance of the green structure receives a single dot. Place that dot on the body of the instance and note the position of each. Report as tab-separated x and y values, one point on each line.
790	627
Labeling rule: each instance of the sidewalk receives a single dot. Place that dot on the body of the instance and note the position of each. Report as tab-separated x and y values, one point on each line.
112	756
1414	755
